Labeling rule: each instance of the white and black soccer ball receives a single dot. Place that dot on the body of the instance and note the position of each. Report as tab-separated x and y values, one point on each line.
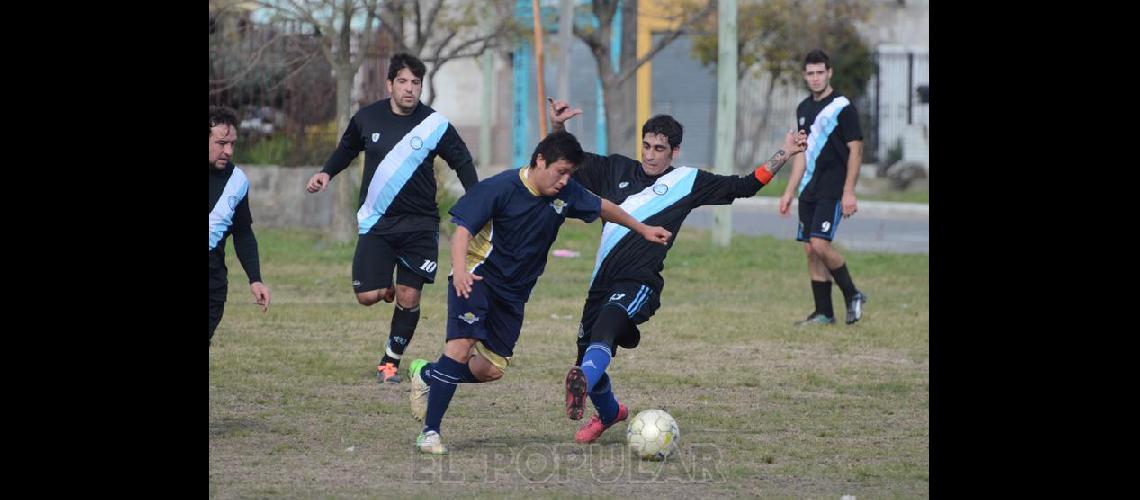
653	435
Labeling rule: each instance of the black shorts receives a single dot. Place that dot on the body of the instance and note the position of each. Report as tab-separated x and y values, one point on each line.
637	302
497	323
819	219
218	287
415	252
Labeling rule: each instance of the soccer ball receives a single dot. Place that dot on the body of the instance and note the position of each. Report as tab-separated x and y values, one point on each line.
653	435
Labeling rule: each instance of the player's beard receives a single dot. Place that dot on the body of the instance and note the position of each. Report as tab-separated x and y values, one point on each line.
407	110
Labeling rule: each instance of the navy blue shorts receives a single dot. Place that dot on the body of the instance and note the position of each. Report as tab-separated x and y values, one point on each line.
482	316
819	219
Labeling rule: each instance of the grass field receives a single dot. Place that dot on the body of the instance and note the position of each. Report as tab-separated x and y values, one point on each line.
765	408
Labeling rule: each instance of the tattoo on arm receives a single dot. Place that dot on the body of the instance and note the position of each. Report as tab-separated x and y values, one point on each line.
777	161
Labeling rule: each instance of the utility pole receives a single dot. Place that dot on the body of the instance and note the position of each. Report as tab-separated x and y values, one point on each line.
725	112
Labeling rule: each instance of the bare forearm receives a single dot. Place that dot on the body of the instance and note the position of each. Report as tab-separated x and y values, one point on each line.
771	167
798	166
854	161
459	242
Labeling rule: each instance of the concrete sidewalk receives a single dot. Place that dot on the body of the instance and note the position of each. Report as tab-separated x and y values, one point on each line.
867	208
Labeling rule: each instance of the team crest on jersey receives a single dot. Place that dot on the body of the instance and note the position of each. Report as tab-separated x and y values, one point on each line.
660	189
469	318
416	142
623	184
801	121
375	136
558	205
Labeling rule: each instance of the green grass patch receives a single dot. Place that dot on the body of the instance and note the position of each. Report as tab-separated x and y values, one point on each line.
765	408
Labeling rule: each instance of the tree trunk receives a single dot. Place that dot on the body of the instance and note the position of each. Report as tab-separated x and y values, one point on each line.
628	127
346	185
748	135
431	82
618	119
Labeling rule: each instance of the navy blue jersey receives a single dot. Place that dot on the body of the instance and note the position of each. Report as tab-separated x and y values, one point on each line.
664	201
513	227
831	123
229	214
397	192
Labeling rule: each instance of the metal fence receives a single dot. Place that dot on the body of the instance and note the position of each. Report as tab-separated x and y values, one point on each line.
899	99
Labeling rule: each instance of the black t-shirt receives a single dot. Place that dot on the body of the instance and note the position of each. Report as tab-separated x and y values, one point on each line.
397	193
663	201
229	214
831	123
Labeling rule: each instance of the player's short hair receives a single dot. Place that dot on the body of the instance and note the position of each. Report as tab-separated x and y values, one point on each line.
405	60
666	126
817	56
560	145
221	115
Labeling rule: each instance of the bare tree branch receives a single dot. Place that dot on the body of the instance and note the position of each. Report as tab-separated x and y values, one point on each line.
305	13
432	16
665	40
419	41
393	23
253	62
293	73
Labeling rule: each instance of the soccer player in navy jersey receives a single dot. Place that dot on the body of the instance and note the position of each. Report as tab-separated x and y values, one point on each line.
505	227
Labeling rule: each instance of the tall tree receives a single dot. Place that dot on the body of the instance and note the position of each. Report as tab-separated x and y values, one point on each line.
618	84
439	31
773	36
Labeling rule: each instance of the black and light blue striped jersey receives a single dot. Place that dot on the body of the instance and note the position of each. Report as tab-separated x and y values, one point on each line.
229	214
830	123
664	201
397	192
513	227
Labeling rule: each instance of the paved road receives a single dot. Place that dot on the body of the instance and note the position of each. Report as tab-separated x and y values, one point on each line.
878	226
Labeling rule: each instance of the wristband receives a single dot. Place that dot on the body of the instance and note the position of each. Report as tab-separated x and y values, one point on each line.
762	174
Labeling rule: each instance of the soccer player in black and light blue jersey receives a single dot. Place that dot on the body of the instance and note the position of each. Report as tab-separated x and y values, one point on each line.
626	285
229	214
824	179
505	227
398	217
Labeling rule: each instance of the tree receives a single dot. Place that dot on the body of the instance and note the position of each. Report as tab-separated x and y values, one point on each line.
276	77
349	30
345	29
773	36
437	34
617	85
